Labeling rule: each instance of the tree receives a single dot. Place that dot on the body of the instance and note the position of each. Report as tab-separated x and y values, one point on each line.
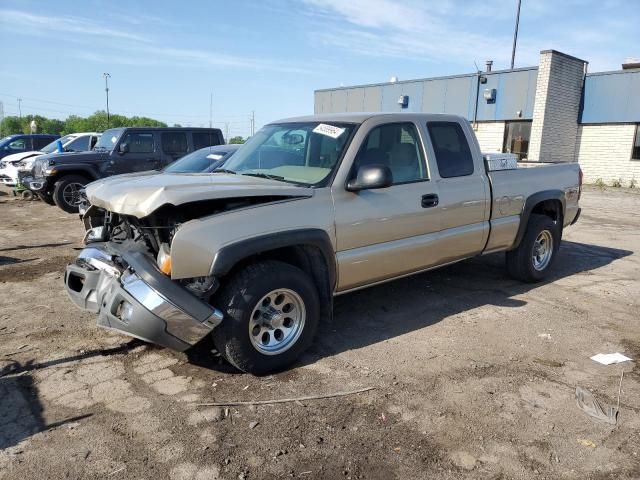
96	122
10	125
236	140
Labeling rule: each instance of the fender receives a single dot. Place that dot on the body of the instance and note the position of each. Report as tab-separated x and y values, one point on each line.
530	203
230	255
63	168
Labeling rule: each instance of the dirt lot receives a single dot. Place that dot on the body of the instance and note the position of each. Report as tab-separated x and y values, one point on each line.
474	373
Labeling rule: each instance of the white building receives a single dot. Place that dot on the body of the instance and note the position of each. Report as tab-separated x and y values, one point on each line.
554	112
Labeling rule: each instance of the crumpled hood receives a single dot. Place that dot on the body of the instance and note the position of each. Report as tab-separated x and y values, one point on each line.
140	194
16	157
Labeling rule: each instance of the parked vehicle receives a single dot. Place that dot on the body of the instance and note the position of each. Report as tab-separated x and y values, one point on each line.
202	161
12	164
307	209
119	150
23	142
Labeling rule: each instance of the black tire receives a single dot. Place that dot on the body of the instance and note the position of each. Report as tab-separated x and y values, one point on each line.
59	190
521	264
241	294
27	195
48	199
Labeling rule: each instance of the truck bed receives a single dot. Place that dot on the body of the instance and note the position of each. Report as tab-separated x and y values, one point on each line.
512	188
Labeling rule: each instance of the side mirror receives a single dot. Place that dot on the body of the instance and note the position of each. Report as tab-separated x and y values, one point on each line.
123	148
370	177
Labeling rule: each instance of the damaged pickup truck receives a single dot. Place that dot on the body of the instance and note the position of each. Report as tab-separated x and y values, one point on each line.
309	208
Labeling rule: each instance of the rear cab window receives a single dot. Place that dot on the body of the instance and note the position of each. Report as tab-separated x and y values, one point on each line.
451	148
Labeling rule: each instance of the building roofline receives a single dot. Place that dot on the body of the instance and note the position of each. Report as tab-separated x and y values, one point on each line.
562	54
445	77
614	72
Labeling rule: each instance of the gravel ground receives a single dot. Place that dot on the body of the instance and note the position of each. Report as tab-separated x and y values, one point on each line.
474	373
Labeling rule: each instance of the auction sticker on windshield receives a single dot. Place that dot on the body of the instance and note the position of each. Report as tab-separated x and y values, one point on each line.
328	130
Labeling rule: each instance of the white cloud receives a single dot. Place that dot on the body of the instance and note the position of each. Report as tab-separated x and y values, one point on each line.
461	31
22	22
123	47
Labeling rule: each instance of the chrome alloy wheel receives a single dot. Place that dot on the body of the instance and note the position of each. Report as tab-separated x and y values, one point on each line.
277	321
542	250
71	193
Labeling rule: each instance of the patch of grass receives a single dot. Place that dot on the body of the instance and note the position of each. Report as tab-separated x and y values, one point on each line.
632	183
600	183
617	183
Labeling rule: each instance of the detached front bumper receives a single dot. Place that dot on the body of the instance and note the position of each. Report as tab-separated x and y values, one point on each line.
132	296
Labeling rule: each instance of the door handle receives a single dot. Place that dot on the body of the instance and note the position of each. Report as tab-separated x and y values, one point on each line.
430	200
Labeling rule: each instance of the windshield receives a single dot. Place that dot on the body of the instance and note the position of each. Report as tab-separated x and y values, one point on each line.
203	160
303	153
51	147
108	139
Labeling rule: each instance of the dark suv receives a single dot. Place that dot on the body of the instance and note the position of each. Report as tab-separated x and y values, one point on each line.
24	143
59	178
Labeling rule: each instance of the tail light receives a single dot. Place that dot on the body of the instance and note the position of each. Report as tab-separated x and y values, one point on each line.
580	177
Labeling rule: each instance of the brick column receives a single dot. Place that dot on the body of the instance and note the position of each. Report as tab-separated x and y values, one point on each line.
557	104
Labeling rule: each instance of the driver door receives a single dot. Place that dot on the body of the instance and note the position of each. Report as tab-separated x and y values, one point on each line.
387	232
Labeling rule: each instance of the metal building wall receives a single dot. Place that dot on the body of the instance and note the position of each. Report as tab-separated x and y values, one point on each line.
611	97
456	94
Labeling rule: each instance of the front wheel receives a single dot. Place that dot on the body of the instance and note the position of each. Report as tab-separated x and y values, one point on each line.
271	315
66	192
532	259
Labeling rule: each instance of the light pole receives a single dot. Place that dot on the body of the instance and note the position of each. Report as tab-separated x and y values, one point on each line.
515	36
20	108
106	89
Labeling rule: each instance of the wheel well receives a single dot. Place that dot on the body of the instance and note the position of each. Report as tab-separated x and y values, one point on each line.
550	208
66	173
307	258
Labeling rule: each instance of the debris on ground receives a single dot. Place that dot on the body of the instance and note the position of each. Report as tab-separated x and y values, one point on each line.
590	405
610	358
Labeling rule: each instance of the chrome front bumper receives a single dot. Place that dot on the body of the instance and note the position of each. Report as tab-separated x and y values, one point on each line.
132	296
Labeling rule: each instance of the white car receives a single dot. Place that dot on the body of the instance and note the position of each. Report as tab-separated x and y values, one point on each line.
23	161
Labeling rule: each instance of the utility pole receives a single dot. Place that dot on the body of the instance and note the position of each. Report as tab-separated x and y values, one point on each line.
106	90
515	36
20	108
226	132
253	122
210	109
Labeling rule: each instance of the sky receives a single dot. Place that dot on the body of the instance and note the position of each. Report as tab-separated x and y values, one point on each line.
167	58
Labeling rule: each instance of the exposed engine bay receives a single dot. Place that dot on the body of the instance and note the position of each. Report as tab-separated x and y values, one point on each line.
158	228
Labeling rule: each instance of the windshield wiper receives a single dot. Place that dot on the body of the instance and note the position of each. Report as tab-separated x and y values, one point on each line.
222	170
265	175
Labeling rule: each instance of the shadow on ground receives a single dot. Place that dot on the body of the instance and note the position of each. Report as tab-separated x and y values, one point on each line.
392	309
386	311
21	410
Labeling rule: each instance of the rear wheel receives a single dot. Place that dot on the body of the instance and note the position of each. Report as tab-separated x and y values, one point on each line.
531	260
66	192
271	315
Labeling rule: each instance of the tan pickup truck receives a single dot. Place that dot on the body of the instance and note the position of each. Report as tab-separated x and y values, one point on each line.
309	208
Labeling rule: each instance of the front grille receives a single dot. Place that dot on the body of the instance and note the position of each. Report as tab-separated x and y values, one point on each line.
37	169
